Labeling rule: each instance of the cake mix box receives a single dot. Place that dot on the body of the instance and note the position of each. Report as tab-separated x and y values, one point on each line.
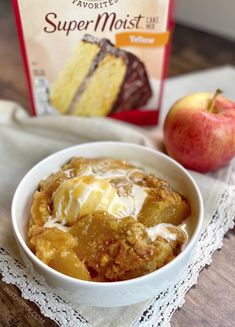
95	57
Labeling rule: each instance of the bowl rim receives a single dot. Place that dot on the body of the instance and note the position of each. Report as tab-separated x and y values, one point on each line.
136	280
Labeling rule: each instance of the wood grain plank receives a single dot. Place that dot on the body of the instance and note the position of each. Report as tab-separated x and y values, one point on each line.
17	312
212	302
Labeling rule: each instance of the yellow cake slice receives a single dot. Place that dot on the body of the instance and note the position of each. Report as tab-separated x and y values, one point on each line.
100	79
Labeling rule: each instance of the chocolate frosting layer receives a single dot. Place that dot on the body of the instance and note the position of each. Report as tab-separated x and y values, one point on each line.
136	89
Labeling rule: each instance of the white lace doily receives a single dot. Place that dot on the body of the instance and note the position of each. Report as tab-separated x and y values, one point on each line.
159	310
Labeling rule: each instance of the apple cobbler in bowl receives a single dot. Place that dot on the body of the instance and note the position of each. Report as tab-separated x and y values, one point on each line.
107	224
106	220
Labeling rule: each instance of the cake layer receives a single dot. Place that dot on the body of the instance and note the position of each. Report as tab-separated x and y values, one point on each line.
102	88
71	77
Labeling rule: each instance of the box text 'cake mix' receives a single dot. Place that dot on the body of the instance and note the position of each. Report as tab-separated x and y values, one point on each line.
95	57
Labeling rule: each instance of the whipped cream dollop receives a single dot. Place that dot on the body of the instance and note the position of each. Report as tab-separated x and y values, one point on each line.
87	194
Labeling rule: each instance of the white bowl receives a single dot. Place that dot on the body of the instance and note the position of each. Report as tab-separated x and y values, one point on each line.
114	293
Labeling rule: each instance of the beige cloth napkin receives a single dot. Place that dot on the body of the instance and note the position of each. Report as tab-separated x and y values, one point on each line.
25	140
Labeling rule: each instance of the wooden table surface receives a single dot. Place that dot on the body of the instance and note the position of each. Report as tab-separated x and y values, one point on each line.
212	301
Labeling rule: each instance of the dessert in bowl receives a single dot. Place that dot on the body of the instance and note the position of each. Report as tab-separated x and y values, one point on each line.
109	223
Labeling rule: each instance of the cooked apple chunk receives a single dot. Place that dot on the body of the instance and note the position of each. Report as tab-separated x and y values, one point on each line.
120	249
163	204
55	248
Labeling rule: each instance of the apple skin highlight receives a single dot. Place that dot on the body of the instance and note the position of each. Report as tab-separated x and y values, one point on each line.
199	139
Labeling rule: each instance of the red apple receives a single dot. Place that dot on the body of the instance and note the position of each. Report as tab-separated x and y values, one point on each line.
199	131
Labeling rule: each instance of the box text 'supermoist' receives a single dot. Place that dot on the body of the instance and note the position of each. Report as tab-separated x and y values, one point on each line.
95	58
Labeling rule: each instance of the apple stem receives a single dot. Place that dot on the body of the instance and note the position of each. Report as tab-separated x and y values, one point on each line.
212	102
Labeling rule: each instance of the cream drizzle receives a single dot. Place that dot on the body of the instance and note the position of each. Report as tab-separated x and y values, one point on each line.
164	231
111	174
55	223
